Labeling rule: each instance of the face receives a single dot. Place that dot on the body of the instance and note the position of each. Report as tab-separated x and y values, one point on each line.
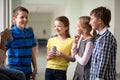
79	28
59	28
21	19
94	22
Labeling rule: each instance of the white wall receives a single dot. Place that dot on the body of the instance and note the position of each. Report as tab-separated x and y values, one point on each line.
117	31
1	15
40	22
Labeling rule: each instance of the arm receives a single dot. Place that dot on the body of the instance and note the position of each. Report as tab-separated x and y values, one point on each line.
68	58
4	36
76	42
34	62
86	55
2	56
74	50
49	55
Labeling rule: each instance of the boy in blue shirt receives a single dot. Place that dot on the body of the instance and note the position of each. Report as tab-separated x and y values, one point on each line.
7	74
21	51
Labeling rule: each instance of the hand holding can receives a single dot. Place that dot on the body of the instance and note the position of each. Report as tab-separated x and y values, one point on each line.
53	49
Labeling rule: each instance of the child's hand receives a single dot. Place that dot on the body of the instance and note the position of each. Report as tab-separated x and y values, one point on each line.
51	55
34	74
58	53
76	38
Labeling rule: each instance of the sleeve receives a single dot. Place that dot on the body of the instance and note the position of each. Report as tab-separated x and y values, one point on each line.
48	43
86	55
74	49
7	45
104	55
34	42
75	46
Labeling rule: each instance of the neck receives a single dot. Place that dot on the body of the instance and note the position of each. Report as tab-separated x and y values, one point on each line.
62	37
85	36
101	27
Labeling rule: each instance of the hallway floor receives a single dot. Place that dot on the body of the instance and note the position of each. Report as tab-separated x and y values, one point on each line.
41	62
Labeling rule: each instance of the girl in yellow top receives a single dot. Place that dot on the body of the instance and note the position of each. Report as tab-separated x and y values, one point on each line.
57	62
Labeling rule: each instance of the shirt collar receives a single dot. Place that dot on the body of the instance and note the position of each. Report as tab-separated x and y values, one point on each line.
103	31
17	29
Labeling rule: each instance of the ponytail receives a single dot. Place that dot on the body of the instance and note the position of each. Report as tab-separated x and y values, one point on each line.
94	33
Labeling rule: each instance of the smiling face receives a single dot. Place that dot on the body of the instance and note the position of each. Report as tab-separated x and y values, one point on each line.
60	28
21	19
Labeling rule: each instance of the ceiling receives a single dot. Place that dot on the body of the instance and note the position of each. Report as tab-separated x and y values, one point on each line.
44	8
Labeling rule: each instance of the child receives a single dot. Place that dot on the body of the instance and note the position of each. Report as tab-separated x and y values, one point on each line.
36	47
57	62
83	52
7	74
103	63
21	51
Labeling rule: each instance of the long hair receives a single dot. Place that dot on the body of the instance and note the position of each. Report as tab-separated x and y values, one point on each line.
84	21
66	23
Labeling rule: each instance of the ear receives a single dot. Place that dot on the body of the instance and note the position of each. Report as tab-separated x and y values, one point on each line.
66	27
14	19
100	21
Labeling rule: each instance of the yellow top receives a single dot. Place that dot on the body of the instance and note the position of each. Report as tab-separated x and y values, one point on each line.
64	47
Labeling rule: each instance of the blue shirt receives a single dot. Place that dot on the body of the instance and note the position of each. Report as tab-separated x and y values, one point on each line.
20	49
103	63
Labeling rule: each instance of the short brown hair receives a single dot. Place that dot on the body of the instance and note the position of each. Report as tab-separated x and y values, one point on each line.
19	8
103	13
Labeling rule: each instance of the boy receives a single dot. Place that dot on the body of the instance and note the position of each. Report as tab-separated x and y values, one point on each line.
7	74
21	51
103	64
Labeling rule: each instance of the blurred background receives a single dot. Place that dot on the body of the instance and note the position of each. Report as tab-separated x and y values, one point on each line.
43	13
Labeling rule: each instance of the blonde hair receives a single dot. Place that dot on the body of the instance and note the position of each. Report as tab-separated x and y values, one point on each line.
84	21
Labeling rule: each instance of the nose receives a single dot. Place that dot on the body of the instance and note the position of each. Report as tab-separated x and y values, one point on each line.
90	23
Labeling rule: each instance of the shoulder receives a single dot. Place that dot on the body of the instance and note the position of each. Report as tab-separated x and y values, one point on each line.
51	40
28	30
108	35
70	39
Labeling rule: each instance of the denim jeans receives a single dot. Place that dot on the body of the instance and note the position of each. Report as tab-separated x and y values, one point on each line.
52	74
11	74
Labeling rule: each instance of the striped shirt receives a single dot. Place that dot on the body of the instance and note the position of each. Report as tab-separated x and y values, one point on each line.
20	49
103	64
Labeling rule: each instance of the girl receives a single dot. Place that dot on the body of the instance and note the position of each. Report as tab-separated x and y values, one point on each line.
83	52
57	62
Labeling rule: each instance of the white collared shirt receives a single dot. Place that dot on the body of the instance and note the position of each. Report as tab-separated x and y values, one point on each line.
103	30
